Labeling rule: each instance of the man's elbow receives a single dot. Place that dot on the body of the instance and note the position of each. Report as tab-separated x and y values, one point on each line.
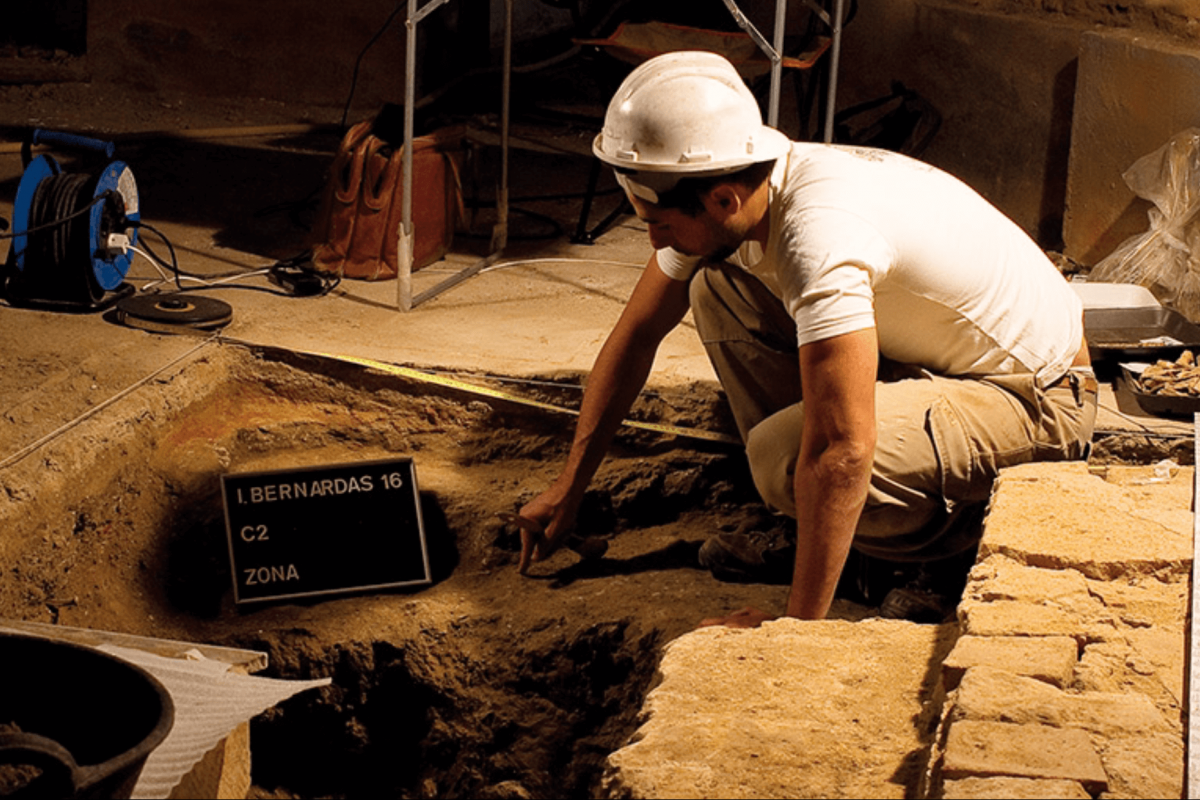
846	464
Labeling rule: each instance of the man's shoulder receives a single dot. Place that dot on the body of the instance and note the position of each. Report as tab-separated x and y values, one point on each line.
848	157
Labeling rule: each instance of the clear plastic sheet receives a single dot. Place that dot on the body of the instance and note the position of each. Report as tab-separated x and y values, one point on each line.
1166	258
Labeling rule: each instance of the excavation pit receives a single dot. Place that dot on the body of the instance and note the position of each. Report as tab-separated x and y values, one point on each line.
485	683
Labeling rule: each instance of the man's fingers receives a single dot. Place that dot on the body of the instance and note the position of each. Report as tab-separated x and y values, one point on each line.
524	523
532	539
743	618
528	548
533	548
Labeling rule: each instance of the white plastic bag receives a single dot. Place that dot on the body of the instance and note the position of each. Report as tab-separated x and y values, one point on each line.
1166	258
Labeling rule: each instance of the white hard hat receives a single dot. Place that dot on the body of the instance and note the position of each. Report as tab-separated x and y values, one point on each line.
684	114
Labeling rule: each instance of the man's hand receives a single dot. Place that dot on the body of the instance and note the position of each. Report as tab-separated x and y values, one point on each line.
657	305
544	523
534	544
745	618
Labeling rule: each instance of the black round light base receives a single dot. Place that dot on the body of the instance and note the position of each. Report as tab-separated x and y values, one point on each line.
174	313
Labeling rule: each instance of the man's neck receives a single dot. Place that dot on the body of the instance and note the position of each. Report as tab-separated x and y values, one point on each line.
758	204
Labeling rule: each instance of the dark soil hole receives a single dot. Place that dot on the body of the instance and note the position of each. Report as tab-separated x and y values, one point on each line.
484	683
440	718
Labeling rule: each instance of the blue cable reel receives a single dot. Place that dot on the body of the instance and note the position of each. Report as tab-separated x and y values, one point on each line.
72	232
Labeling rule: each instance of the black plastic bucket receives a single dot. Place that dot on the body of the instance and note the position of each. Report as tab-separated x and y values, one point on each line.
86	720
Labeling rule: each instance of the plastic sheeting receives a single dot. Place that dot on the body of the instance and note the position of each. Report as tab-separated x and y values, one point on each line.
210	701
1166	258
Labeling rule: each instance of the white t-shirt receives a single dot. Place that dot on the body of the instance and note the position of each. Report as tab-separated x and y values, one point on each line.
861	237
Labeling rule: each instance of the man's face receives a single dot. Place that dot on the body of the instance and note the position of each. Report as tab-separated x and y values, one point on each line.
701	235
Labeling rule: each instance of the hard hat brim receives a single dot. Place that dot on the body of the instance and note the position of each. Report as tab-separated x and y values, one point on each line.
769	144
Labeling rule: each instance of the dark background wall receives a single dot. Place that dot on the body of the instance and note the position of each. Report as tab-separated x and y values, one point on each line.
999	74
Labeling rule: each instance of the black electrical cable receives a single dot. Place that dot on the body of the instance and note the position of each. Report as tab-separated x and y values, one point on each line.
174	263
58	252
294	264
554	229
57	238
55	223
243	287
541	198
358	61
65	245
295	207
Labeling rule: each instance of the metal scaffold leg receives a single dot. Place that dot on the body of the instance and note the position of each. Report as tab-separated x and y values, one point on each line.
405	301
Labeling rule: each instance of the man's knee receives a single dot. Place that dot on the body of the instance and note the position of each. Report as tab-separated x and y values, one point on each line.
900	502
771	448
707	304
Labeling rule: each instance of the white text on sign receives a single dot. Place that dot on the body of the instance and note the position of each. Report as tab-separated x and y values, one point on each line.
325	487
254	533
276	574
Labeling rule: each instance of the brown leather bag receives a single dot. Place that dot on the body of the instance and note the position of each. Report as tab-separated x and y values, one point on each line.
357	230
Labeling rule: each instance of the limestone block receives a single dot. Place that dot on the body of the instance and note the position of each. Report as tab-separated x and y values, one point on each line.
1116	666
1144	602
998	577
1133	603
994	695
991	749
1145	766
1059	516
792	709
1066	592
1136	475
1014	789
1159	651
1046	658
1012	618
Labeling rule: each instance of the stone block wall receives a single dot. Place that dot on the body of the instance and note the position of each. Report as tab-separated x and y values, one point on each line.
1063	677
830	709
1068	678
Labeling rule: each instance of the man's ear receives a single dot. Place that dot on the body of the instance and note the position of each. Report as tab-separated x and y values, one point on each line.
722	201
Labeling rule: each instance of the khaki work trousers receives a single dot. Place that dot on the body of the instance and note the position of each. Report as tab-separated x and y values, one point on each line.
940	440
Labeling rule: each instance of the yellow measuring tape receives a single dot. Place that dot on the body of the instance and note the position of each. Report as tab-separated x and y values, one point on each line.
452	383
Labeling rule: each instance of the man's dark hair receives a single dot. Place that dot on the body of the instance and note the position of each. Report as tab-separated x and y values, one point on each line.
686	195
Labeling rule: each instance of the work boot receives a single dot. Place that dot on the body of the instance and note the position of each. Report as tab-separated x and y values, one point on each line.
916	604
932	596
750	557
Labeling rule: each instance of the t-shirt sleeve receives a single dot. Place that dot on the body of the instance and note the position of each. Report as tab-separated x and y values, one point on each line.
676	265
837	259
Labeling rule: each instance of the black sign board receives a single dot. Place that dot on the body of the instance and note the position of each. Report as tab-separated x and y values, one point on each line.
325	530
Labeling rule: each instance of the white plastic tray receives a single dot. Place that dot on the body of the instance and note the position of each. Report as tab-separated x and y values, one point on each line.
1114	295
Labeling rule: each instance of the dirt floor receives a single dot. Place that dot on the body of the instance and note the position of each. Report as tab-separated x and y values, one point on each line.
486	683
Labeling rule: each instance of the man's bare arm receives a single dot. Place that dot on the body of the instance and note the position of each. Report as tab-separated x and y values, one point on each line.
833	470
656	306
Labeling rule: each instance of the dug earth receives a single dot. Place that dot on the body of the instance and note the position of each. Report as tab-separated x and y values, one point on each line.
488	684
